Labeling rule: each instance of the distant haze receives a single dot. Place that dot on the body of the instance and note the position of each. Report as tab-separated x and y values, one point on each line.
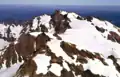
62	2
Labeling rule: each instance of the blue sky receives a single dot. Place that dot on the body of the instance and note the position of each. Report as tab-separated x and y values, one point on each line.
63	2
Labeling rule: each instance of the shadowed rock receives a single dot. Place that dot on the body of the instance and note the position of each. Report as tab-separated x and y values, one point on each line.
25	46
10	55
43	28
113	36
115	62
88	73
60	22
27	69
100	29
70	50
89	18
41	41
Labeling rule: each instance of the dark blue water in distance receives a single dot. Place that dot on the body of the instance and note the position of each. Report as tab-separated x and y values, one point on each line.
27	12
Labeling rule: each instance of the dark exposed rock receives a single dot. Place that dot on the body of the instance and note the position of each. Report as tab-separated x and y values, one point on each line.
43	28
57	36
31	68
115	62
28	68
60	22
88	73
89	18
10	55
49	74
25	46
100	29
19	51
66	18
41	41
92	23
80	18
38	18
70	50
77	69
113	36
65	73
118	30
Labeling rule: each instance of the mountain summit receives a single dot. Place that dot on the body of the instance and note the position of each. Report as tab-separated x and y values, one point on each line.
63	44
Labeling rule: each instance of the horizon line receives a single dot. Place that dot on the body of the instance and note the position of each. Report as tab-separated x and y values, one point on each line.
57	5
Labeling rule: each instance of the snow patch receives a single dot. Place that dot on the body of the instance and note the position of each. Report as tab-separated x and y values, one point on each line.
56	69
42	62
97	67
10	72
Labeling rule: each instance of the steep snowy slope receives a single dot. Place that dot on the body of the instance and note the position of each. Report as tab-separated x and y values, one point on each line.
62	45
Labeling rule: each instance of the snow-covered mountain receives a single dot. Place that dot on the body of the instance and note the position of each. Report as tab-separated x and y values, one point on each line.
60	45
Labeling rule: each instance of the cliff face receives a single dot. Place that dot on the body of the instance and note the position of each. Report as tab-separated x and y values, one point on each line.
61	45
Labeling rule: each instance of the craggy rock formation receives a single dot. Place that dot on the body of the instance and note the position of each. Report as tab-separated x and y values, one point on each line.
60	22
9	36
89	74
61	45
26	46
43	28
10	55
80	18
113	36
41	41
30	66
115	62
82	55
89	18
100	29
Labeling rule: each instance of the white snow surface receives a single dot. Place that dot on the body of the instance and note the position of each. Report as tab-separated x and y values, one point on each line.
35	23
15	30
42	62
3	29
44	20
56	69
10	72
85	36
3	44
65	65
97	67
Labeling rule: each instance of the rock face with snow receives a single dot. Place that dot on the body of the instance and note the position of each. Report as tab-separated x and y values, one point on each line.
60	45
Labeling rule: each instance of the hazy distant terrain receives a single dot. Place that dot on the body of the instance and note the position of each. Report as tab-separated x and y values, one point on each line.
26	12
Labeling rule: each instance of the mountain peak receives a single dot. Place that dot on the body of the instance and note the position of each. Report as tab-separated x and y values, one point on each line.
63	44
